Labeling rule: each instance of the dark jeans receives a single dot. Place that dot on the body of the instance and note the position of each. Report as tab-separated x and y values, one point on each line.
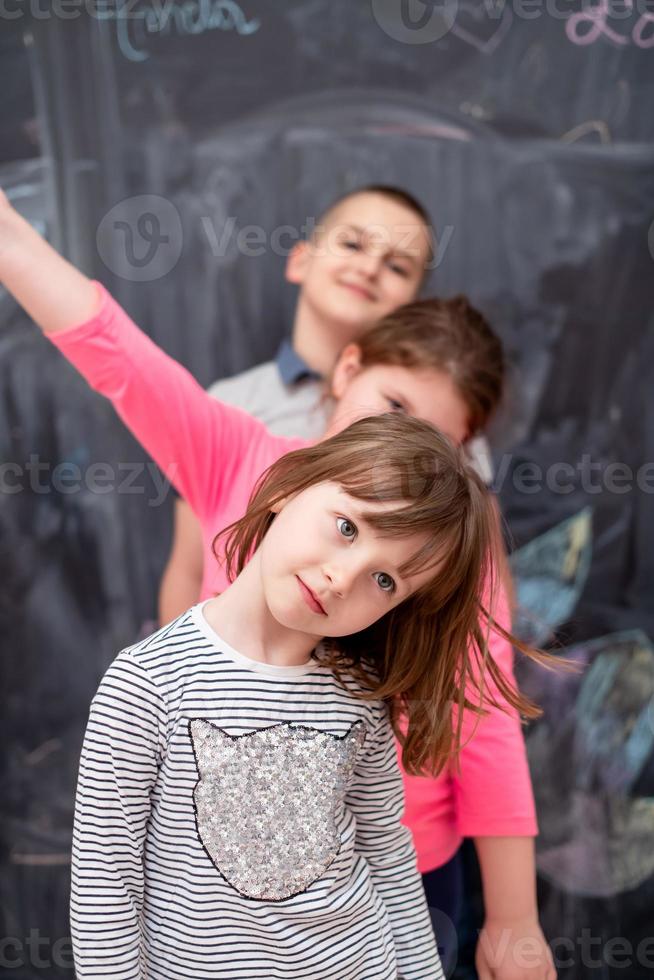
444	891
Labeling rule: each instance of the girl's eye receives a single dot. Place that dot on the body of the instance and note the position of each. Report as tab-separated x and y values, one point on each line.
346	528
385	582
399	269
352	245
395	405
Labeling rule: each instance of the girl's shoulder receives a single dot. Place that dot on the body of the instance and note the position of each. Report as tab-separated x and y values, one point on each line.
173	646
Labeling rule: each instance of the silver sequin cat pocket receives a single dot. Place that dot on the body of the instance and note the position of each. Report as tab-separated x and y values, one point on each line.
267	803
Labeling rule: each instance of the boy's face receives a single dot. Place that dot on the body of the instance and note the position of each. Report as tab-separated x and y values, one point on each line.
365	260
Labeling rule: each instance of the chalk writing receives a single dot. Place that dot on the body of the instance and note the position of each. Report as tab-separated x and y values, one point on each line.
643	32
481	33
165	17
596	126
588	25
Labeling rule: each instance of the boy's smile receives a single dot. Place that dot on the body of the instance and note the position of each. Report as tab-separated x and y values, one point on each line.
359	290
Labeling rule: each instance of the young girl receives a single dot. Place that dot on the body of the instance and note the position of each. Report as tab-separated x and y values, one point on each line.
214	455
238	801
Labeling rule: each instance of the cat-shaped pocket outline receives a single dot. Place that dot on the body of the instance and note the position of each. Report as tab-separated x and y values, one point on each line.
267	803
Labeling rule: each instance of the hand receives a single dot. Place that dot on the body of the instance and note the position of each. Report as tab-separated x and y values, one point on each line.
513	950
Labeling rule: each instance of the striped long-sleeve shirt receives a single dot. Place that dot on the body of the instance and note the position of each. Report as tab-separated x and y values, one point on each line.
236	819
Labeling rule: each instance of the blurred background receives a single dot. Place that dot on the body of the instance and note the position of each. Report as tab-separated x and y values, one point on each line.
527	130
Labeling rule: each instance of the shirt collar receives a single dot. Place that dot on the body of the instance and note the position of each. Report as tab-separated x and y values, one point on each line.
292	368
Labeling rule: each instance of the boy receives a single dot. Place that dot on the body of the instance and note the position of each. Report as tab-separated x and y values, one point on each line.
367	256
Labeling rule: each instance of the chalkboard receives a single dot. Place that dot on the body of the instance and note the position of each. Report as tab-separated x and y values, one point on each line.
527	139
515	65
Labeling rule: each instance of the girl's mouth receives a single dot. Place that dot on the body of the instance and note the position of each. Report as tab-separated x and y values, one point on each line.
310	598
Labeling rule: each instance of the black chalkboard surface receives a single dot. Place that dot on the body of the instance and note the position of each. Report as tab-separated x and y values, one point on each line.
530	141
529	69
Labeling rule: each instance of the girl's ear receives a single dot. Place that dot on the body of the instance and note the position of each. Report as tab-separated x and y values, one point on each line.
347	367
297	263
278	505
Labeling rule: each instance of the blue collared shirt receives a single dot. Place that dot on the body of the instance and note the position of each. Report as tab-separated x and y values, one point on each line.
292	368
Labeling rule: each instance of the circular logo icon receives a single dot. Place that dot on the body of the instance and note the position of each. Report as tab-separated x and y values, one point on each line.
415	21
141	238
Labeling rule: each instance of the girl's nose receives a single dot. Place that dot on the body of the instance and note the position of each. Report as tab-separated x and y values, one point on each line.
340	578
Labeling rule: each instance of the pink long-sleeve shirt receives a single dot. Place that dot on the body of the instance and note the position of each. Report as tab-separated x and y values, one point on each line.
213	454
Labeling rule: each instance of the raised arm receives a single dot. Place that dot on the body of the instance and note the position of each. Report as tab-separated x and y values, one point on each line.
51	290
198	442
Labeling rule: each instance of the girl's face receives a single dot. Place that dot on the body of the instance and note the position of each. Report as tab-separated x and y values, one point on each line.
326	572
426	394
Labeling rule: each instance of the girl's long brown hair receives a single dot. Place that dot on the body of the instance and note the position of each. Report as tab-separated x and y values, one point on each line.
423	657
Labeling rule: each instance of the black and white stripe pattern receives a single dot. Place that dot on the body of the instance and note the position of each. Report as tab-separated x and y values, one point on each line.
147	901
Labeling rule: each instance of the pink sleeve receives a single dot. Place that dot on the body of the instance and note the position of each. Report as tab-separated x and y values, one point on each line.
494	796
197	441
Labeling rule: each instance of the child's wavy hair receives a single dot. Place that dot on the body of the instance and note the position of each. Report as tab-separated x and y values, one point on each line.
424	654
